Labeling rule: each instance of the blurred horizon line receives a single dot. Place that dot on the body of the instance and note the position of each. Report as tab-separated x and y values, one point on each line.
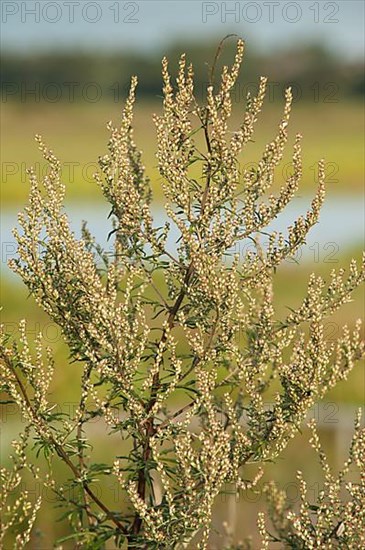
149	27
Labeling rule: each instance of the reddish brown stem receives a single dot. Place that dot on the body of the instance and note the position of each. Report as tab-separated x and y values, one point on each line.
150	429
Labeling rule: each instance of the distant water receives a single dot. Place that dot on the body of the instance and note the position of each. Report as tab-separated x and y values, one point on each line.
341	226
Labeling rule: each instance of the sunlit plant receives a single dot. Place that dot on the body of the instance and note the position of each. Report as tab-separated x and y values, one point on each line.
181	349
337	518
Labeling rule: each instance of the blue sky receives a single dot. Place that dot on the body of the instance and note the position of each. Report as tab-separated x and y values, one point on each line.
151	25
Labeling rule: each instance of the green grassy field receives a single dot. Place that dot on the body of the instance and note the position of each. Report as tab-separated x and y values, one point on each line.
77	133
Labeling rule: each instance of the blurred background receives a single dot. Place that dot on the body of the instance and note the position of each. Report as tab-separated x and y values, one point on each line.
65	71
